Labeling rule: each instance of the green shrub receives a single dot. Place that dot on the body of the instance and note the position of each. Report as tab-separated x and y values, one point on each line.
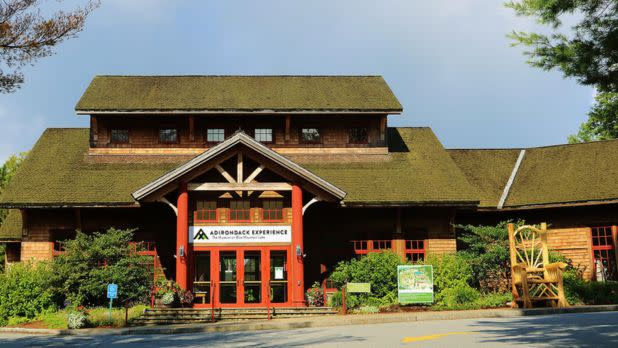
77	320
26	291
460	295
91	261
494	300
449	271
486	249
378	269
351	300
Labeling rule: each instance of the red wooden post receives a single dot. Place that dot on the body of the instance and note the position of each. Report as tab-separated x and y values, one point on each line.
212	301
268	300
298	285
182	235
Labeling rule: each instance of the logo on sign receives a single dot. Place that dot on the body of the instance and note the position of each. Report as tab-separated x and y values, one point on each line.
200	235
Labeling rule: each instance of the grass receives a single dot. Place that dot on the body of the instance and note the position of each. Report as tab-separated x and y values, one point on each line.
97	317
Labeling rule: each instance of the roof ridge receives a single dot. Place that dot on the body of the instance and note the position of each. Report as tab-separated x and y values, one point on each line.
274	75
533	147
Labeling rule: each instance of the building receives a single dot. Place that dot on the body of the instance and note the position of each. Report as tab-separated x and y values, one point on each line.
250	185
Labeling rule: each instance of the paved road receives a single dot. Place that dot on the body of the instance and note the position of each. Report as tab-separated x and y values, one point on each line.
567	330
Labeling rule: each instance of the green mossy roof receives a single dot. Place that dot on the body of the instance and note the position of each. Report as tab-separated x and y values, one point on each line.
487	169
11	226
547	175
567	173
419	171
238	93
56	173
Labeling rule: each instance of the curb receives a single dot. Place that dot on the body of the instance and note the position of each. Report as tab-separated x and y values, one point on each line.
318	321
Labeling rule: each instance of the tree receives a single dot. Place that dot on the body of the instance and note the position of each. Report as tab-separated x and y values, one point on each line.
7	171
602	121
26	35
587	52
91	261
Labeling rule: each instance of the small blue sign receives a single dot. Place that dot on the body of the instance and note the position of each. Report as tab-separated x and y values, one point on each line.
112	291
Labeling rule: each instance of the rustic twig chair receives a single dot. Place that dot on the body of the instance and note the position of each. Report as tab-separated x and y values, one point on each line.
535	280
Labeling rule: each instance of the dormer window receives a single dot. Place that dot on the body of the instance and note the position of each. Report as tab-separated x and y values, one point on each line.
119	136
168	136
310	136
264	135
215	135
358	135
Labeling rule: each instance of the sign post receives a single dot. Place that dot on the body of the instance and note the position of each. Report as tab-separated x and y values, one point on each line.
112	293
415	284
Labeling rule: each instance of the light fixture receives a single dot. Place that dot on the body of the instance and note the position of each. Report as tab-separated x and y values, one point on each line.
181	251
299	252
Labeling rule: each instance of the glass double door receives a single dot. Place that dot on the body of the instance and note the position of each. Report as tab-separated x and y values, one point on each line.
245	276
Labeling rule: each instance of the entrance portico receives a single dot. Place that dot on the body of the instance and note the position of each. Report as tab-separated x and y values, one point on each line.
239	235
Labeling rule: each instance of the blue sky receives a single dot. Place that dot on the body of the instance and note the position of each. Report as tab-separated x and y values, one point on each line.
449	62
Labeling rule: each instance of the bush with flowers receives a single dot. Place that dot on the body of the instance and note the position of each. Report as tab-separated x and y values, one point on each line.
315	295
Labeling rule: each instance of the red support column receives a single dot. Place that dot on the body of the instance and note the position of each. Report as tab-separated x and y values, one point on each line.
298	272
182	236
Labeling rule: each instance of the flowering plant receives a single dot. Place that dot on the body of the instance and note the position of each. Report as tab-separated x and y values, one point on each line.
315	296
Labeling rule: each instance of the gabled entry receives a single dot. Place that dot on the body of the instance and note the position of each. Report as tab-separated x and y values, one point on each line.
239	228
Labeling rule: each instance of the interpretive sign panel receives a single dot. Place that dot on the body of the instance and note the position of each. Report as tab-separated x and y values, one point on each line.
415	284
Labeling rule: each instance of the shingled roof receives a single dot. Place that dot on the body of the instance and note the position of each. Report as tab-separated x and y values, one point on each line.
238	94
11	227
57	173
550	175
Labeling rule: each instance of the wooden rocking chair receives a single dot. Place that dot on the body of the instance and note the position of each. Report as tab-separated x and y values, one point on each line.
534	278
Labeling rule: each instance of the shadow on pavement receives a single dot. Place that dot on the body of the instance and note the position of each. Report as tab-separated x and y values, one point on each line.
579	330
292	338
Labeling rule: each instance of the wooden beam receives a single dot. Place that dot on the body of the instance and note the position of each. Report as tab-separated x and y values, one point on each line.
225	174
254	186
94	129
287	128
191	128
239	167
255	173
383	128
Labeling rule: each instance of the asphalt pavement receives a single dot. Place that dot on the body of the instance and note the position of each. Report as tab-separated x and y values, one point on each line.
565	330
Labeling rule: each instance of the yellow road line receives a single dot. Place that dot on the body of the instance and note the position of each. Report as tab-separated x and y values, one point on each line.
434	336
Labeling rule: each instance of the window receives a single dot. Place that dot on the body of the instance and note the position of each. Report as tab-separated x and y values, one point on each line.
272	210
239	211
119	136
604	254
358	136
206	211
264	135
310	136
415	250
215	135
168	136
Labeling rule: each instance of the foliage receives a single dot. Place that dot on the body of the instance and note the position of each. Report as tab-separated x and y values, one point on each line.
26	36
185	297
486	250
315	295
26	291
77	320
602	123
587	53
351	300
91	261
168	298
458	295
7	171
379	269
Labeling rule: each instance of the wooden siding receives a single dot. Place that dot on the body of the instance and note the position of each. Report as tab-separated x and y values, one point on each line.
441	246
575	244
144	130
